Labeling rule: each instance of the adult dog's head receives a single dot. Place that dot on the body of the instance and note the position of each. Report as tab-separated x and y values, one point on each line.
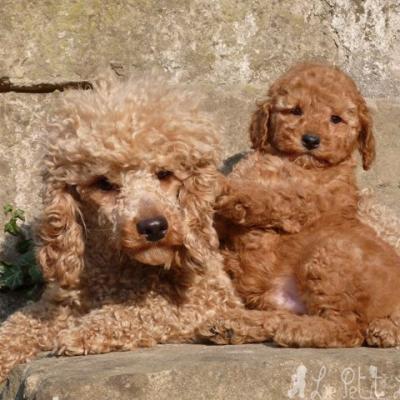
131	168
314	115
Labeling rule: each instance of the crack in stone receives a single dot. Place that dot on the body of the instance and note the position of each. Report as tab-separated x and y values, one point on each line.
6	85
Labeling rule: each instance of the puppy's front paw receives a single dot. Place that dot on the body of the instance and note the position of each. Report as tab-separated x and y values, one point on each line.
232	208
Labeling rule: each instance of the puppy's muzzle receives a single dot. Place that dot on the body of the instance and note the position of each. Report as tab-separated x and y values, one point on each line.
310	141
154	229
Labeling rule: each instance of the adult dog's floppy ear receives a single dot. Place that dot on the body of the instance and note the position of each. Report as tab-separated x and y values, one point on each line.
366	140
259	126
197	199
61	247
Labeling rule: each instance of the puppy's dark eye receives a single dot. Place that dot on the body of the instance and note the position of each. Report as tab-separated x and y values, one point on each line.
296	111
335	119
163	174
105	185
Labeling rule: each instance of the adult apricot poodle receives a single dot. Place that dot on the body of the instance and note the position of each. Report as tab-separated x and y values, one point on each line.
126	241
293	239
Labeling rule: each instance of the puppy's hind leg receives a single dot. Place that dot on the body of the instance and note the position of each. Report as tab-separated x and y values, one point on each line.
241	326
327	280
321	332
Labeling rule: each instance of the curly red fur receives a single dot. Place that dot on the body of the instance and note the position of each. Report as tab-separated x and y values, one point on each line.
288	217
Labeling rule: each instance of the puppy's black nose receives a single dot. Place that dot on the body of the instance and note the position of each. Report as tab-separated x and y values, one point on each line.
310	141
154	229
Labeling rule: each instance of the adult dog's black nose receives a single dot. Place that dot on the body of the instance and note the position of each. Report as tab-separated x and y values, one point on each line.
154	229
310	141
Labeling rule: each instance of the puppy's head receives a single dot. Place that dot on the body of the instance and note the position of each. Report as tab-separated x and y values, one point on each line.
316	115
131	168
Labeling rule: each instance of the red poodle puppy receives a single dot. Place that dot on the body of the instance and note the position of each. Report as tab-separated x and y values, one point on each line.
288	220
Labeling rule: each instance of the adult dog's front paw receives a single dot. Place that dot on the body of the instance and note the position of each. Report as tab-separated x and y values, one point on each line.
219	332
71	342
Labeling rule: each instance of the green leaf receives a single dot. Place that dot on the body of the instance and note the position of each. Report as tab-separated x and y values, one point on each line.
36	274
8	208
24	272
12	278
19	214
26	259
12	228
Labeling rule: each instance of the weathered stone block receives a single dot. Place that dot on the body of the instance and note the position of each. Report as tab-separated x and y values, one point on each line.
209	372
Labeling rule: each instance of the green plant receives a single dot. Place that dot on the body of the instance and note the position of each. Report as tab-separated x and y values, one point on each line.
23	271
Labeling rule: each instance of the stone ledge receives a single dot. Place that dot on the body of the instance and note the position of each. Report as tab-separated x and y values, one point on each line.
211	372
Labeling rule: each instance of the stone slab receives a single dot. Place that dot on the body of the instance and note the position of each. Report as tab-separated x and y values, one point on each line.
210	372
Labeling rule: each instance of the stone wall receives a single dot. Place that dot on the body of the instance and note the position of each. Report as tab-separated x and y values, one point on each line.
232	49
222	42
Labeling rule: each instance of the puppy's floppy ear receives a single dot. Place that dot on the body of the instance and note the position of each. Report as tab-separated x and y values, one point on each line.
61	248
259	126
366	140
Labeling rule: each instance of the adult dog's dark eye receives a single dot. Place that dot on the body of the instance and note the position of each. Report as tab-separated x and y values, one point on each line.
163	174
335	119
296	111
105	185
